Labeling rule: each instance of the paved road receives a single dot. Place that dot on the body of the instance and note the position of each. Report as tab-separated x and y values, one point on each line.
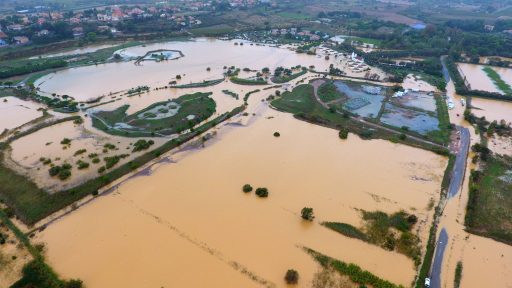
437	266
459	169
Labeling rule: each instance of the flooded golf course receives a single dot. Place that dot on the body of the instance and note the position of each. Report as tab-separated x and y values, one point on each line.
191	216
187	216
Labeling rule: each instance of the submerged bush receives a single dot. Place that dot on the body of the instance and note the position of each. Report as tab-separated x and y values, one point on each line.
262	192
307	213
247	188
291	277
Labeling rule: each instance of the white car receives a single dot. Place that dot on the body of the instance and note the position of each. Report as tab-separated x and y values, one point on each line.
427	282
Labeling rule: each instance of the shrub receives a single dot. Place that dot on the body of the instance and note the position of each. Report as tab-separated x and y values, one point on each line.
247	188
96	160
81	151
277	134
142	145
82	164
307	214
262	192
64	174
54	171
291	277
65	141
343	134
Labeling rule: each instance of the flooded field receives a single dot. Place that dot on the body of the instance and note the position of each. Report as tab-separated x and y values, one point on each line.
417	121
479	80
78	51
414	82
30	152
112	77
15	112
492	109
359	101
191	216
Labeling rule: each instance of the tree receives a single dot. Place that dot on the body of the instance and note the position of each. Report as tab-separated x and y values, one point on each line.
291	277
307	213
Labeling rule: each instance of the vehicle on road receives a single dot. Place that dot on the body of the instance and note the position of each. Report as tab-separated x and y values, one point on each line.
427	282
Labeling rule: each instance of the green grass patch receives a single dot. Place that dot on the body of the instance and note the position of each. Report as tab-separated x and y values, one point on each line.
346	229
496	78
442	135
241	81
288	78
212	30
205	83
372	41
488	211
248	94
155	120
328	92
354	272
293	16
458	275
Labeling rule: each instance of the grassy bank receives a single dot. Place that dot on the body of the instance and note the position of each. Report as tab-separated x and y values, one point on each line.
443	134
496	78
205	83
488	211
158	118
377	230
288	78
354	272
241	81
32	204
36	273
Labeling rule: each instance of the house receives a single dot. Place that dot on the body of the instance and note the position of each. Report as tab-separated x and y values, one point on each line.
20	40
3	35
3	43
43	32
15	27
78	32
488	28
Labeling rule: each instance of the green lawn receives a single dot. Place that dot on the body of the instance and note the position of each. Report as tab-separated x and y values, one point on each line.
496	78
489	211
328	92
192	109
212	30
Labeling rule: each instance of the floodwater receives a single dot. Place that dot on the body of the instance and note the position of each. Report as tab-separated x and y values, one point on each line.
115	77
27	151
486	263
191	218
15	112
414	82
479	80
78	51
492	109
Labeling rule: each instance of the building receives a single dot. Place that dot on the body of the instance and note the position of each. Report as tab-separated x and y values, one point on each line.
20	40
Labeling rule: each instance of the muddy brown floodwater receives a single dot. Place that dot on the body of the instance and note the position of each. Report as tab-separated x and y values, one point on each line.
15	112
188	224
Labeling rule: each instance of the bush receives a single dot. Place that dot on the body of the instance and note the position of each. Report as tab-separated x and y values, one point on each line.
247	188
64	174
307	213
277	134
82	164
291	277
65	141
343	133
262	192
54	171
